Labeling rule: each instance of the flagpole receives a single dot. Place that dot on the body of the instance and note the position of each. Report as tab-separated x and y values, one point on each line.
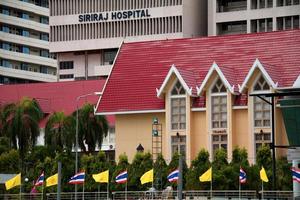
211	188
126	191
107	190
83	192
152	189
262	190
21	190
239	189
99	192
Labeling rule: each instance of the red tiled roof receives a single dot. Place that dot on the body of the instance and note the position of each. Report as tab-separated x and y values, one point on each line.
141	67
54	97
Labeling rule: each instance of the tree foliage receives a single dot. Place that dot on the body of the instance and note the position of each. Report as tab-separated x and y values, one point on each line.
91	128
60	132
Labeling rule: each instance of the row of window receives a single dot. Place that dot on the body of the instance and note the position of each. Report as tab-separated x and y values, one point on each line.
237	5
70	7
116	29
24	32
24	49
259	25
66	76
42	3
24	15
27	67
261	111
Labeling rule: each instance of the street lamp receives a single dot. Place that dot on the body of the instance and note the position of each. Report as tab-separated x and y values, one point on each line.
76	137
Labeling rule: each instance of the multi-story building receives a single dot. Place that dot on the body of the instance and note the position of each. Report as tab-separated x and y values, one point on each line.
86	35
24	42
251	16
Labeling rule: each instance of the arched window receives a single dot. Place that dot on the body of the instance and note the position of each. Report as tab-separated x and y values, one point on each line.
261	108
219	115
178	107
261	115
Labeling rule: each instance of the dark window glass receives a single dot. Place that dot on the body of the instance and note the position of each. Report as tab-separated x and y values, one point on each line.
109	56
66	65
44	69
66	76
44	20
44	53
25	33
24	66
25	50
5	29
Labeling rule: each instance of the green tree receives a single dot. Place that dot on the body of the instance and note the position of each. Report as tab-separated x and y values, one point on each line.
240	157
263	157
160	172
141	163
198	166
218	166
91	128
60	132
21	124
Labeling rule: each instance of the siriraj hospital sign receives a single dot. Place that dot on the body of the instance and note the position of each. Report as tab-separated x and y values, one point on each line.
116	15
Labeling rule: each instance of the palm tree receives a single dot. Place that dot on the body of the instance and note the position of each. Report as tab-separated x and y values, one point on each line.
91	128
60	132
21	124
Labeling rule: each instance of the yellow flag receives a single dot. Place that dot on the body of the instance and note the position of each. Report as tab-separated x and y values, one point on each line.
207	176
263	175
147	177
52	180
101	177
15	181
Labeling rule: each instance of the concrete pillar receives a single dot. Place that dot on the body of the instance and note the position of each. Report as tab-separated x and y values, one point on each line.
296	185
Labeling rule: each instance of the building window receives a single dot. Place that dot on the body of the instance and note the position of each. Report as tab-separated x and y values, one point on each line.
178	142
5	29
262	138
261	108
219	140
66	76
6	46
25	33
44	20
109	56
25	50
44	53
44	36
66	65
6	63
25	16
24	66
5	11
44	69
219	105
178	107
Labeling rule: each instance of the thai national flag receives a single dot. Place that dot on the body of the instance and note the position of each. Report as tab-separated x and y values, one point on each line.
296	174
122	177
40	180
243	176
173	176
77	178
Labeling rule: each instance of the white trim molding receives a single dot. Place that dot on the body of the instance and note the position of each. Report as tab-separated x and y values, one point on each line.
198	109
131	112
257	65
216	68
173	70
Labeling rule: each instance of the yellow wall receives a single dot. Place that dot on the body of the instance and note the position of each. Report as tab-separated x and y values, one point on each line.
240	128
135	129
199	133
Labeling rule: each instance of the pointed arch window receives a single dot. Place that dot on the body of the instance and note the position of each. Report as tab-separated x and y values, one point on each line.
262	110
218	116
178	107
219	105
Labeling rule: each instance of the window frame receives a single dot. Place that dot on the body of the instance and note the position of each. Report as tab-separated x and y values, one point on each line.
179	97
